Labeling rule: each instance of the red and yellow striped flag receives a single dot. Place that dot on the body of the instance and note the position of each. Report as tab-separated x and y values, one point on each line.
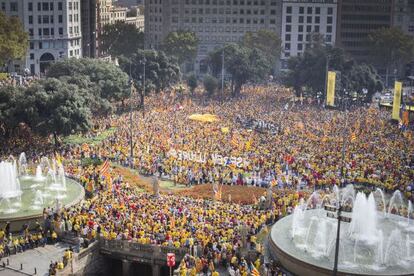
105	167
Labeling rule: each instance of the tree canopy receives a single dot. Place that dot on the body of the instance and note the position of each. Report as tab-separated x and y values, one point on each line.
121	39
243	64
13	39
110	82
309	71
161	71
265	40
391	48
49	106
181	44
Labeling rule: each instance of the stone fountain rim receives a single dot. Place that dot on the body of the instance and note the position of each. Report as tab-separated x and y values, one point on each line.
297	265
75	201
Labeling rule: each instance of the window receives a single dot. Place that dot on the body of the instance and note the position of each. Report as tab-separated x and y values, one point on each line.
31	45
39	31
301	10
300	28
39	19
61	31
60	6
60	18
329	29
3	6
316	29
30	6
300	37
287	46
51	6
289	10
288	28
287	37
329	21
32	56
317	19
330	10
45	19
301	19
30	19
328	38
46	31
70	5
309	28
309	19
13	6
309	10
300	47
317	10
30	32
45	6
39	6
288	19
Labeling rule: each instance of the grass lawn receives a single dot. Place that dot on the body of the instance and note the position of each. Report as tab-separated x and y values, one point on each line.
78	139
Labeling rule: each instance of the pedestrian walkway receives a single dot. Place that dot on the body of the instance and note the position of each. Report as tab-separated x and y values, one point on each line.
38	258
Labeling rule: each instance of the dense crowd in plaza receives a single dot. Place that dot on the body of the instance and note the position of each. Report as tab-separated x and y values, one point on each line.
288	144
305	151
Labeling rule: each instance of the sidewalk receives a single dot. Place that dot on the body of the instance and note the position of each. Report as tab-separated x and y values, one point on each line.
38	258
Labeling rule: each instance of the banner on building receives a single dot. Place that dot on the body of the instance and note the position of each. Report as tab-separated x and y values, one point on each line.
397	101
330	90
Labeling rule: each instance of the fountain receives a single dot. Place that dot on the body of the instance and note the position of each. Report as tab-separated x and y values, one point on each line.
377	241
23	196
9	184
39	177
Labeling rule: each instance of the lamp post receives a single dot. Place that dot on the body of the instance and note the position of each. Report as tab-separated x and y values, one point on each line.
131	82
331	210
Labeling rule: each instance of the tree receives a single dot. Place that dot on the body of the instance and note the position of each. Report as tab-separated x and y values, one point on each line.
391	49
10	109
182	44
111	82
192	82
210	84
309	71
13	39
55	107
121	39
265	40
161	71
242	63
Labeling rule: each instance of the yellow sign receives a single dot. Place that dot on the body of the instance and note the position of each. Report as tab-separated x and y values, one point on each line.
206	118
330	90
397	101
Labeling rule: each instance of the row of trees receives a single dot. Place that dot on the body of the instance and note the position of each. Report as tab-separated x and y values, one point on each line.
307	73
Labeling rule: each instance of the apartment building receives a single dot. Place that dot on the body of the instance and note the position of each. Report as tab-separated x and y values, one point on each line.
54	29
303	18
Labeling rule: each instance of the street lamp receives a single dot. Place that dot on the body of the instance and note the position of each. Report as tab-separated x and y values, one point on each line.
331	210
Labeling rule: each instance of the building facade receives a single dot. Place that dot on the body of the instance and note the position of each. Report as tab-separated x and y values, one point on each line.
358	18
54	29
403	16
88	23
215	22
303	18
138	21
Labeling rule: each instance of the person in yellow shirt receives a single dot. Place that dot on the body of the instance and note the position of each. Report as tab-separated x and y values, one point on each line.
215	273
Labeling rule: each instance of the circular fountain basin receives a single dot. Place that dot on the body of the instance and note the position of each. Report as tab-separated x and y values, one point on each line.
27	206
298	257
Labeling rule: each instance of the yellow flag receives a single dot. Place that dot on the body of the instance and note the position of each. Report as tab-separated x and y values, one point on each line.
330	90
397	101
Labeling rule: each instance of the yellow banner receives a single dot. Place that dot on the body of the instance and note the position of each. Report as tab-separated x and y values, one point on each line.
397	101
330	90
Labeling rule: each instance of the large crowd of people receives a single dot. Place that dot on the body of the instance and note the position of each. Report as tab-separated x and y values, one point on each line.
266	138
